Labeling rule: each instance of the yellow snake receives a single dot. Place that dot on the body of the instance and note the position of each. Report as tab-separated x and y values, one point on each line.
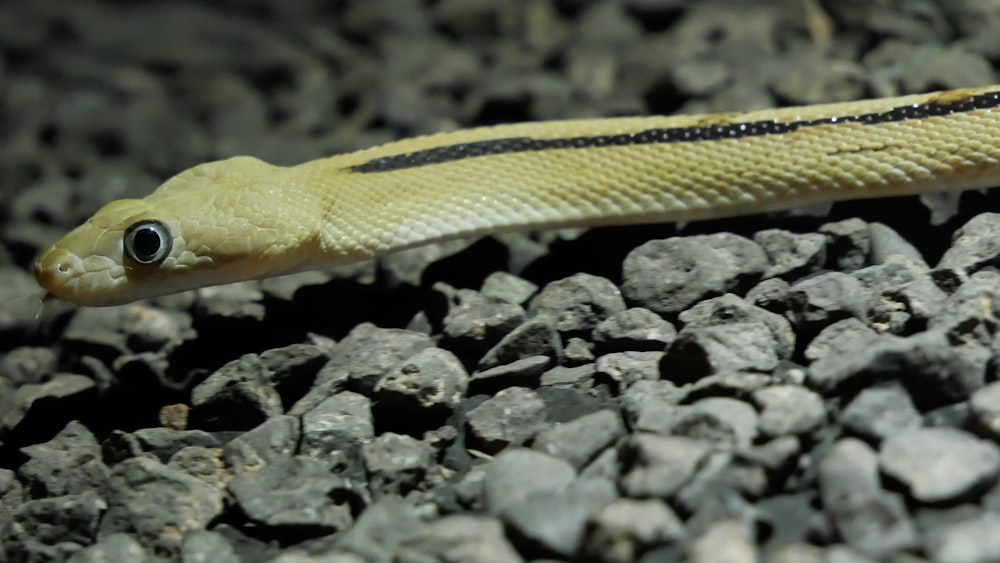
241	218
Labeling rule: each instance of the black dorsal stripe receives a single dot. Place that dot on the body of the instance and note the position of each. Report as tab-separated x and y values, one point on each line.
462	151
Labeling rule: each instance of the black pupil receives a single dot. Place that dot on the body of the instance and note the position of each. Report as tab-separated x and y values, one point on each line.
145	243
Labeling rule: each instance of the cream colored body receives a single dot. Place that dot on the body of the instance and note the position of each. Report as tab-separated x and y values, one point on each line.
243	219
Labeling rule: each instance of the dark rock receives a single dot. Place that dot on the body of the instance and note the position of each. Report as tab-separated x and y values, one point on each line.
879	412
626	368
788	409
867	518
580	441
161	442
518	474
157	503
205	545
729	309
628	527
380	530
460	537
668	276
553	522
824	299
792	255
238	396
112	548
700	352
848	244
433	379
634	329
536	337
940	464
658	466
576	377
525	372
511	417
474	323
933	370
578	303
341	422
52	529
974	246
973	539
69	463
276	439
371	352
396	463
508	287
299	495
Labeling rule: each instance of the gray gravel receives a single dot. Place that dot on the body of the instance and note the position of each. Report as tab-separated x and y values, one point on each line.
781	387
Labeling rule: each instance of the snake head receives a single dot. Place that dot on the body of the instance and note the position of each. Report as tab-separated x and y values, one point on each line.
174	240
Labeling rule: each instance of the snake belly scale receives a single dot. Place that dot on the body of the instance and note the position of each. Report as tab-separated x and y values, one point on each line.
241	218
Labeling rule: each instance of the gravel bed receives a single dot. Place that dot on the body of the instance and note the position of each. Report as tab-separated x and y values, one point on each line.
793	387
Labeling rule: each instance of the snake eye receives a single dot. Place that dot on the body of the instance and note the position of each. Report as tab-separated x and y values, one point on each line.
148	242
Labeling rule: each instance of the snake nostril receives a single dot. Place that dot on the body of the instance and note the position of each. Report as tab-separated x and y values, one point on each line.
63	267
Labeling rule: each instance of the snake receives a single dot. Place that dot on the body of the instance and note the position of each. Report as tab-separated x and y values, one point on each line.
241	218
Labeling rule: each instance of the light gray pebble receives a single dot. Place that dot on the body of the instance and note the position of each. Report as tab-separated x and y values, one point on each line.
668	276
535	337
578	351
555	520
886	243
206	546
626	368
788	409
937	372
460	537
396	463
879	412
511	417
371	352
728	309
238	396
119	548
660	465
634	329
975	540
520	373
580	377
848	244
380	529
722	420
508	287
644	392
518	474
578	303
343	421
276	438
772	294
69	463
841	338
624	529
940	464
866	517
157	503
974	245
985	405
725	540
298	492
580	441
792	255
432	379
700	352
474	322
824	299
